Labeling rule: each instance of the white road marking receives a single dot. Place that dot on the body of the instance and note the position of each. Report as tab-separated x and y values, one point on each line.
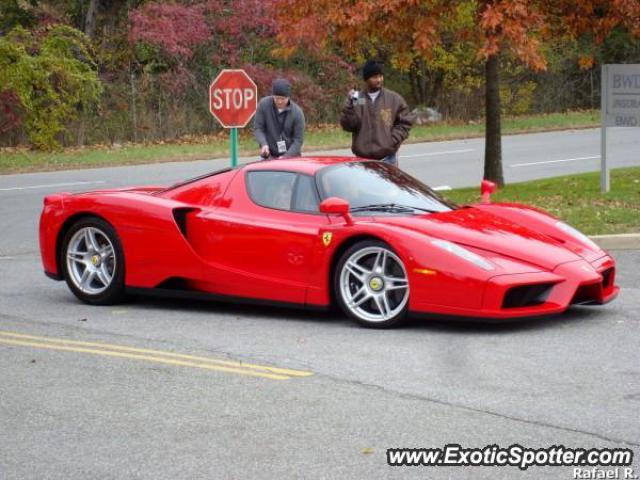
554	161
68	184
442	188
431	154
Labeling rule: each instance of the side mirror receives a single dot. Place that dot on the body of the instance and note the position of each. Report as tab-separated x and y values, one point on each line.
336	205
486	189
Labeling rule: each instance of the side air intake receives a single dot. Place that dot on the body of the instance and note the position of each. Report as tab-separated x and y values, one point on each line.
180	216
527	295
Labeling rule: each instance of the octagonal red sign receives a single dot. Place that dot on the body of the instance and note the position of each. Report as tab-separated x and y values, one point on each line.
233	98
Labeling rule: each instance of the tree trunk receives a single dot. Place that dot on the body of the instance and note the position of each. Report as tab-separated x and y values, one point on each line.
90	18
134	111
414	86
493	141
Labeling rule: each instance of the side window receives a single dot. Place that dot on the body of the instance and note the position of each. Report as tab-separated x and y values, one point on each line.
271	189
305	197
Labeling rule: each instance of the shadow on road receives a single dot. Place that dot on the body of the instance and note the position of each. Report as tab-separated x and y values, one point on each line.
333	316
574	315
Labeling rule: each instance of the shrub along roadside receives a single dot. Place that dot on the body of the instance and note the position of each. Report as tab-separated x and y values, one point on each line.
50	77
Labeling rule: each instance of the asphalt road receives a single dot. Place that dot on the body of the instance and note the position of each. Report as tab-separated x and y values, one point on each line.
172	389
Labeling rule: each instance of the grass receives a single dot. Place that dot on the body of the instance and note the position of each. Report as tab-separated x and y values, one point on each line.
577	200
217	146
510	125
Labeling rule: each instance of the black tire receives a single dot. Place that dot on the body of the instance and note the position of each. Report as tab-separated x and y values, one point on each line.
392	311
106	287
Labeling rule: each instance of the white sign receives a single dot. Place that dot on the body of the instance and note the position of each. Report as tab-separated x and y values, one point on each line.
622	91
228	98
620	107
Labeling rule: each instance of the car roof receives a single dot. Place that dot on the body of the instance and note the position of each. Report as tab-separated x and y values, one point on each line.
304	165
308	165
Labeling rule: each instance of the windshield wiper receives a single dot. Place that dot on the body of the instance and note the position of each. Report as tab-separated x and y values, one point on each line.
389	207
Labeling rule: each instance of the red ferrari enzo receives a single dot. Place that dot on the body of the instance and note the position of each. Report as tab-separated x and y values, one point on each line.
314	231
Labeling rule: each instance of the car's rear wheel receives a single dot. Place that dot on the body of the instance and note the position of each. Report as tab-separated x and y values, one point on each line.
92	262
371	285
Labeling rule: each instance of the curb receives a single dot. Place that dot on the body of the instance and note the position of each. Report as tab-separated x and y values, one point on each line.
625	241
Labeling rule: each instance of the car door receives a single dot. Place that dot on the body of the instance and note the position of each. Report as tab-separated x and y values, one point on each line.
260	242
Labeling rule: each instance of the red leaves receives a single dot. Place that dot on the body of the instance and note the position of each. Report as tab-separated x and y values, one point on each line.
629	13
515	24
596	18
10	111
239	25
406	27
426	35
412	28
175	28
227	26
491	18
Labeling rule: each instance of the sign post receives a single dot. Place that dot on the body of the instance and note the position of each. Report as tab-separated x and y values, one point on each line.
604	170
233	99
234	146
620	107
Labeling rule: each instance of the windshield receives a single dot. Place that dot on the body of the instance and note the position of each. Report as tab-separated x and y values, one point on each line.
377	186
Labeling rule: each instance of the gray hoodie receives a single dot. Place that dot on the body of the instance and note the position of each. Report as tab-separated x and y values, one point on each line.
269	127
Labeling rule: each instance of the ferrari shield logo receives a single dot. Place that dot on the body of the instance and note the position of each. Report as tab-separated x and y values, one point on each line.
326	238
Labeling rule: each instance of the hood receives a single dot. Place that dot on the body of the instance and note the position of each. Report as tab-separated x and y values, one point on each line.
483	230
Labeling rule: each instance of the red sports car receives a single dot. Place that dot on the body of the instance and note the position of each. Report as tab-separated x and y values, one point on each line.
314	231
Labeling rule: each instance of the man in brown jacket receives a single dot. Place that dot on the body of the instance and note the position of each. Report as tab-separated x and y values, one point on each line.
378	119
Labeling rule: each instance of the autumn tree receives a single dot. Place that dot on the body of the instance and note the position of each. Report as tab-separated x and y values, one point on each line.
514	24
522	26
407	31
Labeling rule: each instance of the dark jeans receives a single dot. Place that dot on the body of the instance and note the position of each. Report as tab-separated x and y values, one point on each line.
392	159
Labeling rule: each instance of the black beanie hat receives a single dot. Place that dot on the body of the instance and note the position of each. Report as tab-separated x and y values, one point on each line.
370	69
281	88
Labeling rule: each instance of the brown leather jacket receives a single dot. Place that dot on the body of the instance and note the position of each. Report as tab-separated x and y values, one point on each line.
377	128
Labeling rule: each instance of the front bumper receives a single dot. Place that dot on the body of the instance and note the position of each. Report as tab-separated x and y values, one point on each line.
574	283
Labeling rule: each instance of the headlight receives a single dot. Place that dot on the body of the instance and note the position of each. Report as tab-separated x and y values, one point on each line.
462	252
577	234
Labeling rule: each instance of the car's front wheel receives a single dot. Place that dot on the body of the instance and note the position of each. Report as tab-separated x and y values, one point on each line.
371	285
92	262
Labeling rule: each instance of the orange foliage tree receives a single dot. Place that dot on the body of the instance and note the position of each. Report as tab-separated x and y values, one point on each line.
406	30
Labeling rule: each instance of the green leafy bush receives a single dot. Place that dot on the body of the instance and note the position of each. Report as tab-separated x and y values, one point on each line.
54	76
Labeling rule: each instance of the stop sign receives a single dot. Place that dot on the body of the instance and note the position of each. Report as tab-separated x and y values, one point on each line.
233	98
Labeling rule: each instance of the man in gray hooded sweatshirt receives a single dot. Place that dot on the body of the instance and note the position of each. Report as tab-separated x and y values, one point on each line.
279	123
